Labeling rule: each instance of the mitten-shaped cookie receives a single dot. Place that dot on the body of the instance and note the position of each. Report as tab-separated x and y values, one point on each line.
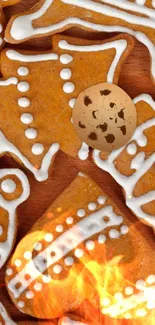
40	91
83	247
14	189
134	17
132	166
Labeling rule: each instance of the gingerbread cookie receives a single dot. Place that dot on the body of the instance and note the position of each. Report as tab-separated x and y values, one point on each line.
104	117
130	16
41	103
4	3
14	189
84	247
132	166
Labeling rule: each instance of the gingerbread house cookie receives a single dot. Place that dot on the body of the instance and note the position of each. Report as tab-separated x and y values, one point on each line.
76	250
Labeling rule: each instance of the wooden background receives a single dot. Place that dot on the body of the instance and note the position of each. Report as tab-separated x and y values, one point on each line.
134	79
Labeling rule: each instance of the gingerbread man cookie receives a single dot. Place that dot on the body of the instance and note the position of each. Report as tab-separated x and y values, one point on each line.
78	247
132	166
14	189
40	91
136	17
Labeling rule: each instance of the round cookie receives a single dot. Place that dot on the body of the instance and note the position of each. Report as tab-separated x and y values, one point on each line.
104	117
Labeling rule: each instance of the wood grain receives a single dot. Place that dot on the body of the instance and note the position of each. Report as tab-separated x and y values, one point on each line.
134	79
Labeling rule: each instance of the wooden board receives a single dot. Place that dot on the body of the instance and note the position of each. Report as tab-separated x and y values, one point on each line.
134	79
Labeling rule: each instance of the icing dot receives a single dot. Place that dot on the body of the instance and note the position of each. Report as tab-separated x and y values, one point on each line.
106	302
8	186
1	28
151	279
131	149
37	149
124	230
23	86
72	102
151	305
129	291
38	247
29	294
9	272
69	261
48	237
91	206
31	133
101	239
23	102
21	304
79	252
57	269
101	199
26	118
18	263
1	230
59	228
46	279
90	245
27	255
141	312
65	74
69	220
38	287
23	71
81	213
118	296
140	284
66	58
113	233
68	87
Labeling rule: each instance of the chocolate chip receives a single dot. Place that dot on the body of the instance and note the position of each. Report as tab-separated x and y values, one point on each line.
92	136
123	129
110	118
105	92
82	126
115	120
103	127
110	138
112	105
93	113
121	114
87	101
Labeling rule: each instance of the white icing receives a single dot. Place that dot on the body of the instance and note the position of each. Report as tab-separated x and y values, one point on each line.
16	56
18	262
38	286
23	102
124	230
81	213
27	255
101	200
29	294
38	246
8	186
66	58
68	87
101	239
106	301
26	118
68	321
69	261
129	290
48	237
69	241
139	163
9	271
92	206
90	245
57	269
31	133
8	82
23	86
132	149
65	74
69	220
119	45
151	279
113	233
83	152
10	206
7	320
59	228
21	304
72	102
37	149
23	71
